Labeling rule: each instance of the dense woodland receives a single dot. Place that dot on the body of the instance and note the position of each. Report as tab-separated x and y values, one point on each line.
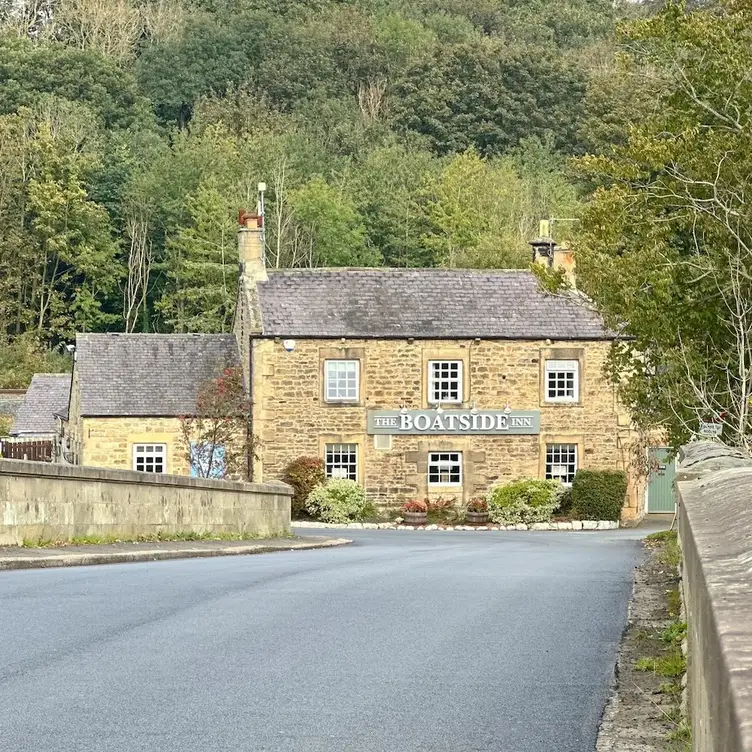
389	132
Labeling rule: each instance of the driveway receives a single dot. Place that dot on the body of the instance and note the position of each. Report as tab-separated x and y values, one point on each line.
403	641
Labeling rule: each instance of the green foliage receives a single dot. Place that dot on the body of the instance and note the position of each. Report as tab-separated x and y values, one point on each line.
23	357
564	500
303	474
339	500
675	632
5	425
523	501
598	494
427	133
478	95
667	233
29	71
202	263
672	665
100	540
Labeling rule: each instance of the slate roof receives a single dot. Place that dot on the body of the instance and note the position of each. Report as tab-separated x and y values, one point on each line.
10	402
148	374
421	303
47	394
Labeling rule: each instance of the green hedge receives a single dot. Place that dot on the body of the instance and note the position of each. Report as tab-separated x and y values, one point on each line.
523	501
598	494
564	499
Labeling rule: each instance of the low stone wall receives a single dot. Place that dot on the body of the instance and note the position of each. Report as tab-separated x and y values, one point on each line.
40	500
715	531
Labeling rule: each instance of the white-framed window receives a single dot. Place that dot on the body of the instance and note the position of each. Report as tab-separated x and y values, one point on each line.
150	458
561	462
342	379
445	468
341	461
444	381
562	380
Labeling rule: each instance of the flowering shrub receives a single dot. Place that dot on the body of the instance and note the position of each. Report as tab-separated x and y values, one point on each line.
338	500
523	501
415	506
304	474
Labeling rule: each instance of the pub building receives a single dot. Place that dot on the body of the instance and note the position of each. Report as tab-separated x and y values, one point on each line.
426	382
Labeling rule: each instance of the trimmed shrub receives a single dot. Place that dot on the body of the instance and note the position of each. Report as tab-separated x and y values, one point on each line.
339	500
564	499
598	494
304	474
523	501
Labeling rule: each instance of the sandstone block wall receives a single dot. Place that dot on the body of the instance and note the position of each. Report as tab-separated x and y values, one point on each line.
42	500
108	442
292	419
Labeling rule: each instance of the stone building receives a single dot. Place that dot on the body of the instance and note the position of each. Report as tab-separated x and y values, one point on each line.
128	393
422	382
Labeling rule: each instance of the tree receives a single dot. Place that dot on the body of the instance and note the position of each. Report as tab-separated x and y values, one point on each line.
202	263
60	259
483	213
31	71
667	248
484	95
331	229
217	440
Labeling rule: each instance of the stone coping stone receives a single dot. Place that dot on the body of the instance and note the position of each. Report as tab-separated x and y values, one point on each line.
573	525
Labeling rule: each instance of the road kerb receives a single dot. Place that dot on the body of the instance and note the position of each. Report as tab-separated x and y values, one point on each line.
79	559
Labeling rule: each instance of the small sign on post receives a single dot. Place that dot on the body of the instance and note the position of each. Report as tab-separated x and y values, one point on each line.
711	430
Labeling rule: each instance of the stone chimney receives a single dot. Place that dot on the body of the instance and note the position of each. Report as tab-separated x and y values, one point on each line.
548	253
251	246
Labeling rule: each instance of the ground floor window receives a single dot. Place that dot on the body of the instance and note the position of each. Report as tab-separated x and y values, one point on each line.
445	468
561	462
342	461
150	458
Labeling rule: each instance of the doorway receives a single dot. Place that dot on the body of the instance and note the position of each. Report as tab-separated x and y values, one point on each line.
661	485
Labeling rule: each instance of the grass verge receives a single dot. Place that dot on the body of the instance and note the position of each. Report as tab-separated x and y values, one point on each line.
667	660
97	540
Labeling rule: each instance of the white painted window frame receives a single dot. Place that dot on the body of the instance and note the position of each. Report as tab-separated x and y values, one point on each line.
550	448
337	447
161	454
434	461
557	367
337	398
434	366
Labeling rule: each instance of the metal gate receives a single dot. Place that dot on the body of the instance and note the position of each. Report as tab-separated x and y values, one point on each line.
661	485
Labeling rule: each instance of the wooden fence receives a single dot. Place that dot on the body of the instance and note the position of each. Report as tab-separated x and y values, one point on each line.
26	449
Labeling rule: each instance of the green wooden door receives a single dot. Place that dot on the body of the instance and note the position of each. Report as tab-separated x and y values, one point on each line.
661	487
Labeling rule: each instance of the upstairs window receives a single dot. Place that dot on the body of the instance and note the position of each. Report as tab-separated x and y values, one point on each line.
561	462
562	380
150	458
444	381
341	461
341	380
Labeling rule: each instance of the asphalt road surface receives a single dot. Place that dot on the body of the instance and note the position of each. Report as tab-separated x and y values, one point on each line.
401	642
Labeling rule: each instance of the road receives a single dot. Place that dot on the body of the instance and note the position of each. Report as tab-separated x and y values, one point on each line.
401	642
